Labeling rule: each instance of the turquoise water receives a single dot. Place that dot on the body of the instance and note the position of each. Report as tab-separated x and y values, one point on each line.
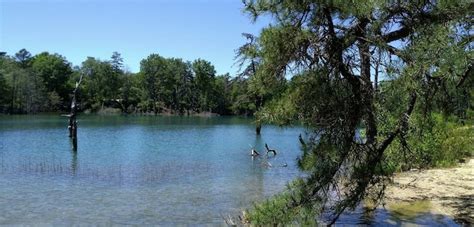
137	169
150	170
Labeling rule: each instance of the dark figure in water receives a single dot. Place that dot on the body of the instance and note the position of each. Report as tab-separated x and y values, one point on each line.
301	140
270	150
254	153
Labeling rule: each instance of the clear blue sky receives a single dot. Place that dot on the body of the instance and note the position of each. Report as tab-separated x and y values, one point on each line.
188	29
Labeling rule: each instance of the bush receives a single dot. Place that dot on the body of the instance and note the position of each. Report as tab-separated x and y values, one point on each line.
282	210
435	141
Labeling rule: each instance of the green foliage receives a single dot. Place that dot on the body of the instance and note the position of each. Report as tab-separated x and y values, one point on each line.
264	83
130	93
26	89
101	83
176	85
222	94
31	84
54	71
432	141
279	210
151	70
23	57
170	84
4	87
204	73
54	101
369	80
242	101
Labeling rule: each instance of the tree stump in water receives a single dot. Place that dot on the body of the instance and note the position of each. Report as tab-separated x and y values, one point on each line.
72	116
270	150
258	128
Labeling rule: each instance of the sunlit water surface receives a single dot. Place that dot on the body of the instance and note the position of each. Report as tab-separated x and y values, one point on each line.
142	170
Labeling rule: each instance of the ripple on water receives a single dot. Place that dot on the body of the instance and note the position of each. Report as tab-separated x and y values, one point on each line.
136	170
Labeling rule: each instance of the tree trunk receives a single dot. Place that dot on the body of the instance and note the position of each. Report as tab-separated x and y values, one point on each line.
72	116
12	106
368	92
258	128
258	106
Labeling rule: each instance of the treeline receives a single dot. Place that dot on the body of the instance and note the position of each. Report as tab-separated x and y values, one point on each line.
44	82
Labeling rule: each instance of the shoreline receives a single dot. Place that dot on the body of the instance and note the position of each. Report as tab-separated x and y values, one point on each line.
98	113
448	191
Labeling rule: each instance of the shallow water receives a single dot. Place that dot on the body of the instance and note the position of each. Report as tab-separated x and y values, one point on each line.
150	170
416	213
137	170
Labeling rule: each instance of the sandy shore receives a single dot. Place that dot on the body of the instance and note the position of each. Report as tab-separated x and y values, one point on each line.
449	191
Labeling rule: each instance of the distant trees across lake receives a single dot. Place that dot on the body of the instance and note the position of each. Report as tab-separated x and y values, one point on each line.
44	82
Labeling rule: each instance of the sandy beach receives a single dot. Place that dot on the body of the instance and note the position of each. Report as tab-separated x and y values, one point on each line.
449	191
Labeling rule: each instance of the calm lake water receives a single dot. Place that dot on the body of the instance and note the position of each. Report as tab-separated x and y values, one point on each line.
145	170
137	169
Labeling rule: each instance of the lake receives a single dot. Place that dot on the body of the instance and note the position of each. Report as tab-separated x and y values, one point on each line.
137	170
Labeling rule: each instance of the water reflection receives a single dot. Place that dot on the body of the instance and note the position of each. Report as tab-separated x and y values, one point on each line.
396	214
145	171
73	143
137	170
73	161
258	174
368	215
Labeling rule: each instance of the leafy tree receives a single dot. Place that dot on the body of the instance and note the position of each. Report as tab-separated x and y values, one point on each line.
27	90
102	83
204	74
241	102
54	71
334	47
261	87
27	93
249	60
116	61
129	92
4	93
151	72
19	81
171	85
222	91
182	96
6	65
4	86
23	57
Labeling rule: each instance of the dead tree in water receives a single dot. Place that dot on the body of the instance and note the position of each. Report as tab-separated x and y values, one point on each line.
72	115
270	150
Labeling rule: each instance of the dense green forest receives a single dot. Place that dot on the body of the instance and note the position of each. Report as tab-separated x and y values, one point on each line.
44	83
